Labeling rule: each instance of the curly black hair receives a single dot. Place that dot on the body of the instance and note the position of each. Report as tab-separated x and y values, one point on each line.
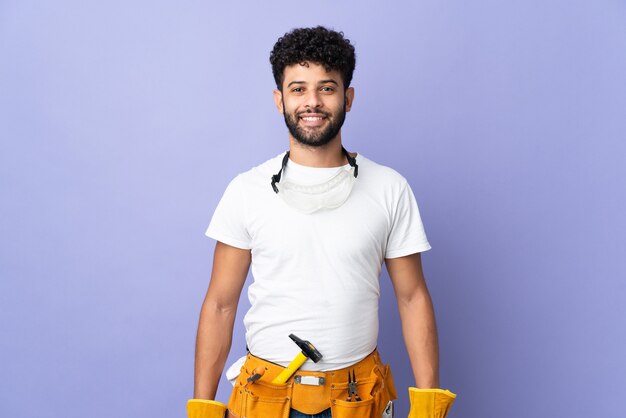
317	45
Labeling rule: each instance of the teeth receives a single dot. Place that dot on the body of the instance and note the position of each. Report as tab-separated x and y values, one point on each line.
311	118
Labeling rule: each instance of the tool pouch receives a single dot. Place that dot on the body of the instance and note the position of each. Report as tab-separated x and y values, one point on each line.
375	391
262	399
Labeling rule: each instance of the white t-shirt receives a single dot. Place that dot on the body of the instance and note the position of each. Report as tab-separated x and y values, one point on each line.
317	275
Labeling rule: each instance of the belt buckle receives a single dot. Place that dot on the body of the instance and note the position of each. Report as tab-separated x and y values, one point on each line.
309	380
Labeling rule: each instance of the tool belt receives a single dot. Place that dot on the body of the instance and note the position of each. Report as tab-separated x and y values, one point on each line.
312	392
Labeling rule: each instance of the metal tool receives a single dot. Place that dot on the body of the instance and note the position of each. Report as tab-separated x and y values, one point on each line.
308	352
352	388
388	412
256	374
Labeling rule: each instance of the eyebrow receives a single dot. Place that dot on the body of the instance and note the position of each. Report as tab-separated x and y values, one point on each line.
330	80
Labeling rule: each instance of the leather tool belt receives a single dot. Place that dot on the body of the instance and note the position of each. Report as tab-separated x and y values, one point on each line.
313	392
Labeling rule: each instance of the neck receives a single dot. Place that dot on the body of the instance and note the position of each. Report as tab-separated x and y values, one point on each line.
329	155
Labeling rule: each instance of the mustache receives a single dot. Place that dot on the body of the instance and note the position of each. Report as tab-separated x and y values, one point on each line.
314	112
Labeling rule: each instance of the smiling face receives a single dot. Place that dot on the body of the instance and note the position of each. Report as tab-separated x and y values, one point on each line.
314	103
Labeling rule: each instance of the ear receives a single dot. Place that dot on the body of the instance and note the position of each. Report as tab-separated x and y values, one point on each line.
278	100
349	98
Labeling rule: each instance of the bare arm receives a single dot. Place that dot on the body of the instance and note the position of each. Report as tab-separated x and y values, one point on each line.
217	317
418	318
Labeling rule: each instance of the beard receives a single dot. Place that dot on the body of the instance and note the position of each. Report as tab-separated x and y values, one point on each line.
316	137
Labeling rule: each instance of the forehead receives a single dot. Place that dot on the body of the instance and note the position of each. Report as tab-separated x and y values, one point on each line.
309	72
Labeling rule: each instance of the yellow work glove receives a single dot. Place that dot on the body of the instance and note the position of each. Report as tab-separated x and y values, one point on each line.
430	403
202	408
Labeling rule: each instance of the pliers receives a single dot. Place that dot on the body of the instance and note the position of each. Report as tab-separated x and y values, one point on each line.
352	388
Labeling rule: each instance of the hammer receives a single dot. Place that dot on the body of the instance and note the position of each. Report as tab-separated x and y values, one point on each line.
308	352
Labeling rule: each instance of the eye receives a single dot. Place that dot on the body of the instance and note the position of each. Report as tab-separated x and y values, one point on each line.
327	89
297	90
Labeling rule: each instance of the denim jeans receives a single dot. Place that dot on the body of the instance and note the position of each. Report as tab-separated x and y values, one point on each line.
298	414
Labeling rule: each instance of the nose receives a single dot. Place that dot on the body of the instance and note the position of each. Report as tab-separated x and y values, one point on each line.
313	100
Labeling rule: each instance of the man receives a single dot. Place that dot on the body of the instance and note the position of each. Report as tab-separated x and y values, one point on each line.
315	224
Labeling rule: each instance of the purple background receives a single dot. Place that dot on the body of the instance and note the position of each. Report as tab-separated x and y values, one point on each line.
122	122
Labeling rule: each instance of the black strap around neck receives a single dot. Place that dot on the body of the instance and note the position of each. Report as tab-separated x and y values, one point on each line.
276	177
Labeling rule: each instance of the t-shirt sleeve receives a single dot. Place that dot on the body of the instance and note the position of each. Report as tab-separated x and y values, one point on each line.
407	234
228	224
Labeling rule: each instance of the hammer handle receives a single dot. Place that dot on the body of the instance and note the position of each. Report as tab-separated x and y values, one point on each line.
291	369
